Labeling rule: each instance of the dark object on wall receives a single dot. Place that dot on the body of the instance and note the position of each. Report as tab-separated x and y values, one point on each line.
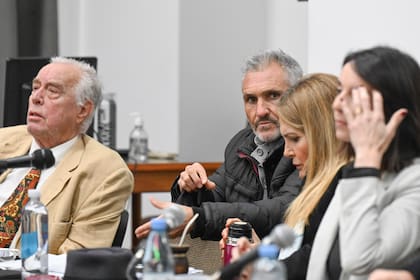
20	72
37	28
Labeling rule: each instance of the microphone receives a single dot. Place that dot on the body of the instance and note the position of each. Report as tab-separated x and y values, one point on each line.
174	216
281	236
40	159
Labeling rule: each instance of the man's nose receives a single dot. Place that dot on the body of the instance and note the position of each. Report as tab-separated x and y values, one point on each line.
262	108
37	96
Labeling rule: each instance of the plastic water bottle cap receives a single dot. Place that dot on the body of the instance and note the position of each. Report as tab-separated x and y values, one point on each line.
270	251
34	193
159	224
138	121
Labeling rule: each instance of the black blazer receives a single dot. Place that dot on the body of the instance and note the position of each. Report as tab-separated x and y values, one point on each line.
297	263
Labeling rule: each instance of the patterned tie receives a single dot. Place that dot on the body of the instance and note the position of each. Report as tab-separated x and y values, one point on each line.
11	211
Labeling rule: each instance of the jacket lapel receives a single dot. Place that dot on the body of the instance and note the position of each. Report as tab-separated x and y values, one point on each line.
324	239
59	178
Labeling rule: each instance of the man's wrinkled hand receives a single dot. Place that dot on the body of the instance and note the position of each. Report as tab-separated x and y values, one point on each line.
194	177
143	230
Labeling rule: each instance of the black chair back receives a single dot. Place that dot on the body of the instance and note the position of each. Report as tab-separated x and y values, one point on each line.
122	228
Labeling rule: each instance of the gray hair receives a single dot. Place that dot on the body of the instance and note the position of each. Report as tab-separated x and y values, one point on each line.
88	88
262	60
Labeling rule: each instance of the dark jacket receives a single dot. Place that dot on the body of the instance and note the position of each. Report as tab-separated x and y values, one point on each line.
297	263
238	184
414	268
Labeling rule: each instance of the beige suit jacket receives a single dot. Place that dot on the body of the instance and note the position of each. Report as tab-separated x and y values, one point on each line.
85	195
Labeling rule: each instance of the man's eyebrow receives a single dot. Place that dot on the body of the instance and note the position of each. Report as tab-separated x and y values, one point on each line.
50	83
248	95
275	90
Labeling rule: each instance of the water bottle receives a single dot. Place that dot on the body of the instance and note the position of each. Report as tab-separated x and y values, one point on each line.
134	269
138	147
158	262
267	267
236	231
34	247
107	121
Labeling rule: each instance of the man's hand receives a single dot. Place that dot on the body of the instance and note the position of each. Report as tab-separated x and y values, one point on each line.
144	229
194	177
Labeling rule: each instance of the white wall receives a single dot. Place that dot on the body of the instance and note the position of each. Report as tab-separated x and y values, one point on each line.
337	27
287	28
136	43
215	39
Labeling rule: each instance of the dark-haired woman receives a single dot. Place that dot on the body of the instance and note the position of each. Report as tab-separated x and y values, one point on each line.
373	219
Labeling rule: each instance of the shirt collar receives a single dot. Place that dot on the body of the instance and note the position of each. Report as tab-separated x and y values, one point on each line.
264	149
58	151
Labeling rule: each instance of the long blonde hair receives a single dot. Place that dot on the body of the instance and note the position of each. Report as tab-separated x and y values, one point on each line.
307	107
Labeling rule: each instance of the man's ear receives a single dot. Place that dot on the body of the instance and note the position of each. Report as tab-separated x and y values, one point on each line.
84	111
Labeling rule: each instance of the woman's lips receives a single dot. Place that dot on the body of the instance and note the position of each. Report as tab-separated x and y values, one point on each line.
340	123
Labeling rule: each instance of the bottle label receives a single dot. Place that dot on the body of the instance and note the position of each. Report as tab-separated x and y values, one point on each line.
138	150
107	122
228	253
29	244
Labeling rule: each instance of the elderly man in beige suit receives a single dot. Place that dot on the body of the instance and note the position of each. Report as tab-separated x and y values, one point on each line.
86	189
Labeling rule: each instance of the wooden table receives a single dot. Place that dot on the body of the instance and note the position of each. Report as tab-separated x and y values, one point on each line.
156	177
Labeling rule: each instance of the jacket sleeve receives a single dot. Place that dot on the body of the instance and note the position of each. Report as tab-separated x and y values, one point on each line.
263	215
219	177
215	214
96	222
375	212
414	268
